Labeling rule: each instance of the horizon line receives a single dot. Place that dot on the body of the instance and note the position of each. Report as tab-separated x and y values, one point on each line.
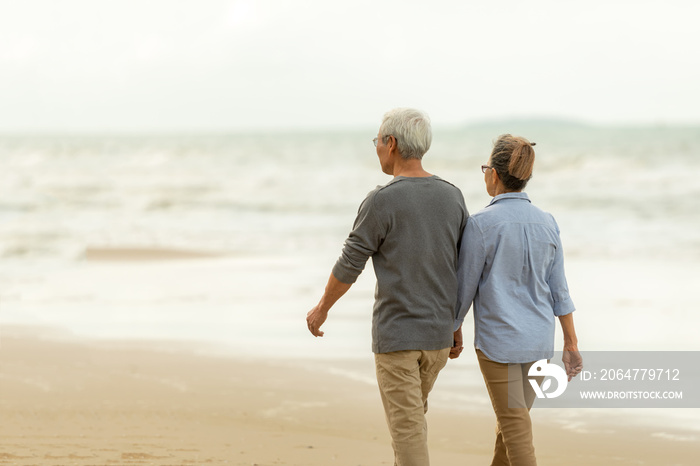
472	124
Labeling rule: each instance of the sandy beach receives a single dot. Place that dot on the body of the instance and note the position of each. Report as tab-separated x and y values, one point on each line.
65	400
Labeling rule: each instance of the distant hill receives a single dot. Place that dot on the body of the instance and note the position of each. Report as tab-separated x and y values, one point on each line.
527	123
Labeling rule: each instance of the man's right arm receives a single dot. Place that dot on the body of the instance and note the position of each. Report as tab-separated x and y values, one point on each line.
318	315
363	241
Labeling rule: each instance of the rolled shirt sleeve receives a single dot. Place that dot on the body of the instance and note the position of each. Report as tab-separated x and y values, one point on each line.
557	281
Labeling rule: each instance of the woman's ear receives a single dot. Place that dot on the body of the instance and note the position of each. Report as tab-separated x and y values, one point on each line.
494	176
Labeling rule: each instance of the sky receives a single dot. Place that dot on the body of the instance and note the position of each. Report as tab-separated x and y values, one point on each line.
211	65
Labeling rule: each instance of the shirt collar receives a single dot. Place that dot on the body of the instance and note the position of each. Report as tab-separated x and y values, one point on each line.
521	196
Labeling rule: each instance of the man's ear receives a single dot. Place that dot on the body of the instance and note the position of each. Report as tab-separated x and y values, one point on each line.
392	144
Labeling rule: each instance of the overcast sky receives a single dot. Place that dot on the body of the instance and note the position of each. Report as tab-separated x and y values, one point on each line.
103	65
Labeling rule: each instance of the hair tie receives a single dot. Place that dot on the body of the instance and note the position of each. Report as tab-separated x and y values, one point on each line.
533	143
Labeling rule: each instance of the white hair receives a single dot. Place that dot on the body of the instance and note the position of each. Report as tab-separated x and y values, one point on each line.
411	128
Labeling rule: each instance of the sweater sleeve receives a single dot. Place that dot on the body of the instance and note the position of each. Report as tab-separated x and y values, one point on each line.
364	240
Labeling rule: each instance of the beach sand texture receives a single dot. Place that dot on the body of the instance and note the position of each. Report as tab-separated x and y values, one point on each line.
65	401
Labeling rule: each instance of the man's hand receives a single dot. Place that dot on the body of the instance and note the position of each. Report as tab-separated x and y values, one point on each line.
318	315
314	319
573	362
456	350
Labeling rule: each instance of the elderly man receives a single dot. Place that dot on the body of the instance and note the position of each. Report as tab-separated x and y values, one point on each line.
411	228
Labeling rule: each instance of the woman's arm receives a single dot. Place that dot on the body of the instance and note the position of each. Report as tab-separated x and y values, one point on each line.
573	362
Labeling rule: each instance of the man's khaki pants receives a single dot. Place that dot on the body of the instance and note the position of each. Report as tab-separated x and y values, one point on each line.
508	387
405	378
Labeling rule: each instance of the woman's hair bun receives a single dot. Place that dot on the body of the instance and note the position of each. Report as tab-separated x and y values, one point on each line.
521	159
513	159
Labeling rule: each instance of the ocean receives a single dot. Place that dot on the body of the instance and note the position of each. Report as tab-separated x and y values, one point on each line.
617	192
267	214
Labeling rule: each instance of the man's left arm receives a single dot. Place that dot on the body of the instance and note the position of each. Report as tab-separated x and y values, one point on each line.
319	313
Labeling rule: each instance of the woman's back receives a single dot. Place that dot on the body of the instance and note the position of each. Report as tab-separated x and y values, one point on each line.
512	266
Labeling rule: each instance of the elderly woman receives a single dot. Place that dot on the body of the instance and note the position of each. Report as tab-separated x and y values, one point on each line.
511	267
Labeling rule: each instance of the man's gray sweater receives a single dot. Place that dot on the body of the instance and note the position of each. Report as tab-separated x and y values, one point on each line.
411	228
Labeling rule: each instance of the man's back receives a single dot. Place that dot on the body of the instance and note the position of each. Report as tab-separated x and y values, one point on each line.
411	228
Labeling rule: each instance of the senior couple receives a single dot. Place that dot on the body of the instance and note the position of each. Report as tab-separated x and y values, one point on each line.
432	261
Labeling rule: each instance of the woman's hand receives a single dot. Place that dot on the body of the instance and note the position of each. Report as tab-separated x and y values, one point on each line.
573	362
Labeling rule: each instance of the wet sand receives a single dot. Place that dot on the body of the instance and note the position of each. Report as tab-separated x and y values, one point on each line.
86	402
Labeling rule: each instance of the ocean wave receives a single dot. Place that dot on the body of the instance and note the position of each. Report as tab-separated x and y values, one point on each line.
613	191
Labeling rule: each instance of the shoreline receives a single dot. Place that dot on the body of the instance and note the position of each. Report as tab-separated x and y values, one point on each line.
135	254
65	399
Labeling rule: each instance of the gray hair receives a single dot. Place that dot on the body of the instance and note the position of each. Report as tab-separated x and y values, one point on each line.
411	128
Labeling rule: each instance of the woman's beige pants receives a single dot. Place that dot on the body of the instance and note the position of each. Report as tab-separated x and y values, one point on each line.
513	427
